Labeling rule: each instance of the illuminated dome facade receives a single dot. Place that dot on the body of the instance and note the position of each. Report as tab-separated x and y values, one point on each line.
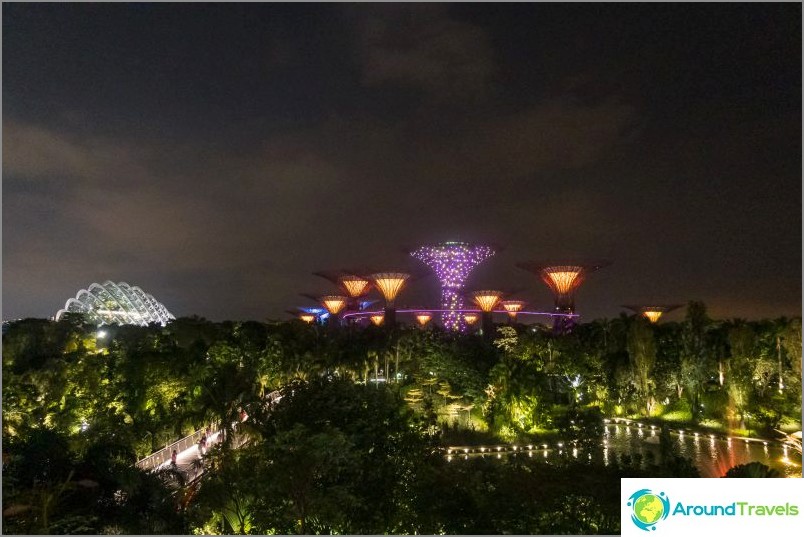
117	303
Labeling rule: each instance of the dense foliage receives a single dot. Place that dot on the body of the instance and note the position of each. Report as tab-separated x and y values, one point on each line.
352	447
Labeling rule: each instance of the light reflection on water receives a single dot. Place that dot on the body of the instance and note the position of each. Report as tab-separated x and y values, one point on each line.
711	455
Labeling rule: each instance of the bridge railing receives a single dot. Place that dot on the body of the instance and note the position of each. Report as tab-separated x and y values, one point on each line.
157	458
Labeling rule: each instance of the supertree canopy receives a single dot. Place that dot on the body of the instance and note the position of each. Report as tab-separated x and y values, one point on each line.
390	284
487	300
563	280
653	313
452	262
333	303
512	307
117	303
355	285
423	318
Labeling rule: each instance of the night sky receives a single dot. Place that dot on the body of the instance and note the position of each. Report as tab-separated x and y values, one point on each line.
217	155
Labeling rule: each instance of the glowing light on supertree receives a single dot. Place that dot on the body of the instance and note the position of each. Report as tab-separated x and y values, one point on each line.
512	307
334	304
452	262
377	319
390	284
423	318
352	285
653	313
470	318
355	286
307	317
486	300
563	280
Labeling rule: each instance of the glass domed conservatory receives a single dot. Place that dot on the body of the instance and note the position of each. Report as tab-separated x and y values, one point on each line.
117	303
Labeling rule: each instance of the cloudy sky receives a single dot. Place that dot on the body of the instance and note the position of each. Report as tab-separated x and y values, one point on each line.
217	155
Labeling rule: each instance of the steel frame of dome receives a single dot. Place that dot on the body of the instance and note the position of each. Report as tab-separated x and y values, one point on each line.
117	303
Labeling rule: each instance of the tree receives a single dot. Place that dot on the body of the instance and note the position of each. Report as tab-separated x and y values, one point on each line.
694	359
642	351
751	469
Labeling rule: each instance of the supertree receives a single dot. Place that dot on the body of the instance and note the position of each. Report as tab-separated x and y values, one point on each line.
423	317
452	262
307	317
486	301
334	305
563	280
390	284
353	286
653	313
512	307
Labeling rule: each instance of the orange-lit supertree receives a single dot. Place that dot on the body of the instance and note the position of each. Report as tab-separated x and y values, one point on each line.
334	304
470	318
563	280
390	284
423	318
307	317
654	312
353	285
486	301
512	307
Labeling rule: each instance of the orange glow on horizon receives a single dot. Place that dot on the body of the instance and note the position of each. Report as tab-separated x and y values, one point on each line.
334	304
390	284
487	299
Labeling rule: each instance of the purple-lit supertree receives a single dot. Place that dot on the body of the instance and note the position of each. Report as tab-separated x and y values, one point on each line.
452	262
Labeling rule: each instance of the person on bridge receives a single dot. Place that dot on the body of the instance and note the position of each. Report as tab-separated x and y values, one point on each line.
173	458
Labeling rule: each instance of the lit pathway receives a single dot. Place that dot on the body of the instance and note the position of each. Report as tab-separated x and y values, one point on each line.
190	462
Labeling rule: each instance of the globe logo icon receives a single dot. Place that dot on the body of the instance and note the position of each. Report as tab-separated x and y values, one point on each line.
648	508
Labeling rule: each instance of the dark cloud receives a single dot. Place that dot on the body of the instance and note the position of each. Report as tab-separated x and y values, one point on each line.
421	46
224	203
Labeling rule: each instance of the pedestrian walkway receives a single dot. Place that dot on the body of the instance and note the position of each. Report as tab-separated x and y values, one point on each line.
190	462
